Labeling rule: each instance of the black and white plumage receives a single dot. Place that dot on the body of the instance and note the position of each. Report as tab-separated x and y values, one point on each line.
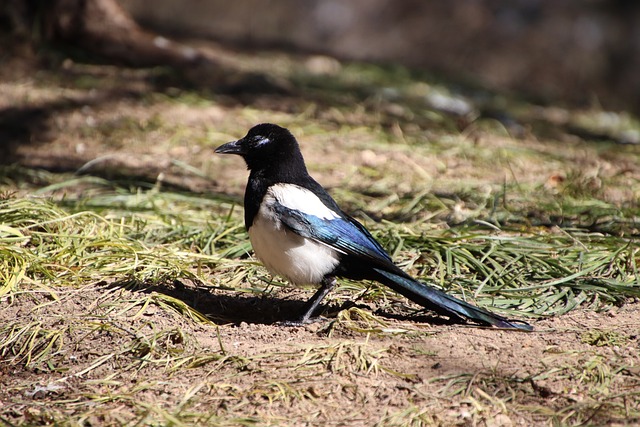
298	231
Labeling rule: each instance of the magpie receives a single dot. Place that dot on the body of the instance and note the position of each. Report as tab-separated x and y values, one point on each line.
298	231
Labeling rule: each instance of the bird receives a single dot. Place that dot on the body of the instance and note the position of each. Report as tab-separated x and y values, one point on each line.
298	231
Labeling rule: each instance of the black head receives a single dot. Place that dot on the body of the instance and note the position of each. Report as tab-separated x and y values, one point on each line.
266	146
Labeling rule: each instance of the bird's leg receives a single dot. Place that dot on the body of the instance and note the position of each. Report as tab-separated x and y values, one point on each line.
327	284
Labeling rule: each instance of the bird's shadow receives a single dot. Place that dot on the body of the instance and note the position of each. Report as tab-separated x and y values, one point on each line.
421	317
229	306
221	306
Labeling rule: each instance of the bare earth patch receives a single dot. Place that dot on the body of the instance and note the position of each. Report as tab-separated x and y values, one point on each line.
115	360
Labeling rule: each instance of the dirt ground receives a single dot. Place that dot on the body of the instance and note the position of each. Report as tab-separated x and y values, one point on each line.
406	371
583	367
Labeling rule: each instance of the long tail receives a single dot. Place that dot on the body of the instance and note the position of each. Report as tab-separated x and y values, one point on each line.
438	301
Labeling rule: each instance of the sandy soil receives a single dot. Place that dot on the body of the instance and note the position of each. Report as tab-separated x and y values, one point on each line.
325	373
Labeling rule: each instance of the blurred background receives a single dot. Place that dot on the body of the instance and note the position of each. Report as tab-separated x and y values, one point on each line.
78	77
582	52
576	51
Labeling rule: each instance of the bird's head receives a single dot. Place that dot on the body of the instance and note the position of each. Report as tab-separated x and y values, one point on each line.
265	145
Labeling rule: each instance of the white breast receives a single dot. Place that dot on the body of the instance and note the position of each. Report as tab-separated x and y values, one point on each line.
283	252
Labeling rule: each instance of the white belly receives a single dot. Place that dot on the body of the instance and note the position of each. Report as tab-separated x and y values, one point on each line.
298	259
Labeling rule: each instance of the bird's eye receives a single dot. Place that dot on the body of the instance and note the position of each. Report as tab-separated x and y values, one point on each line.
260	140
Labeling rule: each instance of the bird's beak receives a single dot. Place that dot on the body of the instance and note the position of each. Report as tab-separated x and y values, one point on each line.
233	147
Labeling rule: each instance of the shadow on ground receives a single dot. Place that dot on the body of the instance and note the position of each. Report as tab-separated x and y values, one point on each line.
233	307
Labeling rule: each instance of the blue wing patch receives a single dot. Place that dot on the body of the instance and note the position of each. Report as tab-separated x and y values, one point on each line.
344	234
